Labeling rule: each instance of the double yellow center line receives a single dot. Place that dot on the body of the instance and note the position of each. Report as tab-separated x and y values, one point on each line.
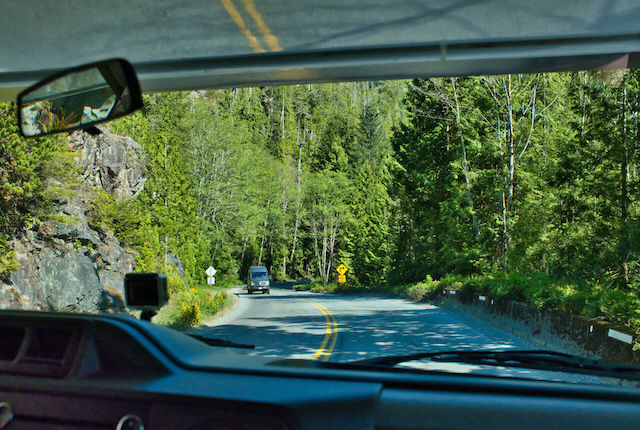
269	39
331	333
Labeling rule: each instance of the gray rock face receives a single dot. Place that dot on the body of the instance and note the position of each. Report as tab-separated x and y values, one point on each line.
177	263
69	266
68	280
110	162
79	231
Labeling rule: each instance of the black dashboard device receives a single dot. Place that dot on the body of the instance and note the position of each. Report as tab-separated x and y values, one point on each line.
145	291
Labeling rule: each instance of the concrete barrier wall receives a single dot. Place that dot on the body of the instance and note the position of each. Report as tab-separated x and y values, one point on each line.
596	337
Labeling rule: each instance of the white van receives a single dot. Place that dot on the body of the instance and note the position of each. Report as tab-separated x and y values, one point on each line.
258	279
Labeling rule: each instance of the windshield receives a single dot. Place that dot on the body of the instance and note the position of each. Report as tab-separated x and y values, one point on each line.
394	217
260	276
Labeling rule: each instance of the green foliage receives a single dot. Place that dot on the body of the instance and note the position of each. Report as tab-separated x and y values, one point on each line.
318	286
25	167
33	174
424	290
174	281
132	226
8	261
263	176
191	308
546	164
190	313
523	187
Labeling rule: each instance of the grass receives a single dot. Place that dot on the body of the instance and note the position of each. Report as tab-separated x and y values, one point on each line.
189	308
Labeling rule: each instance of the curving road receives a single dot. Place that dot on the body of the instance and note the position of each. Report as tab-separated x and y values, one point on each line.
331	327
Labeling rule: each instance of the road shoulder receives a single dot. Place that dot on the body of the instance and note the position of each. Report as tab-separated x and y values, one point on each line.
229	312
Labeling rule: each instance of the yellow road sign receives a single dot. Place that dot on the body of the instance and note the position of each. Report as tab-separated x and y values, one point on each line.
342	279
341	269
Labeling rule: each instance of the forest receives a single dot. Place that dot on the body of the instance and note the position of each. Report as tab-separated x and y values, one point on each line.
522	185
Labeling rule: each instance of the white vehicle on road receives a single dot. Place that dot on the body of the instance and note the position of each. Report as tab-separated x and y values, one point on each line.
258	279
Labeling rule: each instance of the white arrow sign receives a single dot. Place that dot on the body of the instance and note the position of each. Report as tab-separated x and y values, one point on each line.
211	271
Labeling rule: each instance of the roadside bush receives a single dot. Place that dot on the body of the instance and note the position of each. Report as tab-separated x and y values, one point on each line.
578	302
213	305
449	281
333	287
277	274
190	313
316	286
511	287
477	284
224	281
547	295
619	306
175	284
425	290
8	260
189	308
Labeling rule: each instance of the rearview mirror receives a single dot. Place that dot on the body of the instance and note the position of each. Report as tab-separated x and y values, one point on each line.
78	97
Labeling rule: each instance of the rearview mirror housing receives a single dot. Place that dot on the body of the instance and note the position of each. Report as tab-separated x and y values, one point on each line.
79	97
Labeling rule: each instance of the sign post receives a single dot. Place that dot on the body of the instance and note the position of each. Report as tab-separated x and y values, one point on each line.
210	275
342	269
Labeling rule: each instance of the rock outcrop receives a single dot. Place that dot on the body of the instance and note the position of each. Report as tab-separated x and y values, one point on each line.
110	162
66	264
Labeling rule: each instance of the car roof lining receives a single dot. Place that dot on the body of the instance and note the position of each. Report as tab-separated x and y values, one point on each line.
231	43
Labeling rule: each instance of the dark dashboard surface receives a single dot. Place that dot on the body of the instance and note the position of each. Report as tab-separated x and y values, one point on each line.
70	371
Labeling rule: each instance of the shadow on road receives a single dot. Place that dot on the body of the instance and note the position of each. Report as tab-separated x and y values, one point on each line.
363	334
368	327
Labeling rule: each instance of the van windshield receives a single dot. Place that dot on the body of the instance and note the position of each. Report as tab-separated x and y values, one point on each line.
260	276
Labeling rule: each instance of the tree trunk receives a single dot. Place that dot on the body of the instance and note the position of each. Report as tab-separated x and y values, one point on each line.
244	248
264	233
624	197
295	236
476	226
282	117
512	167
508	158
298	184
324	255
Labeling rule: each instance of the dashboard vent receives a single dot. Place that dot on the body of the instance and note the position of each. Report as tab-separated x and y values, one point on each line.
48	344
38	349
11	339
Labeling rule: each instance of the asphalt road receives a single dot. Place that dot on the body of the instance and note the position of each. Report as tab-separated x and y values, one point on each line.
330	327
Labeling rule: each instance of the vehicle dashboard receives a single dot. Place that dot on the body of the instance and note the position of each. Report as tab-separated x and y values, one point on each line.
106	372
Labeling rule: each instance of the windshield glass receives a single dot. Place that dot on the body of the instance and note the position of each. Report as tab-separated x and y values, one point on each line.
394	217
260	276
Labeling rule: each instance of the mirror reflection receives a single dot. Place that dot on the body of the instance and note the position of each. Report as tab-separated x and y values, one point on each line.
76	99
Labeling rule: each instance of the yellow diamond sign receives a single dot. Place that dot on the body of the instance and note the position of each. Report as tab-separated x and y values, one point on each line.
341	269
